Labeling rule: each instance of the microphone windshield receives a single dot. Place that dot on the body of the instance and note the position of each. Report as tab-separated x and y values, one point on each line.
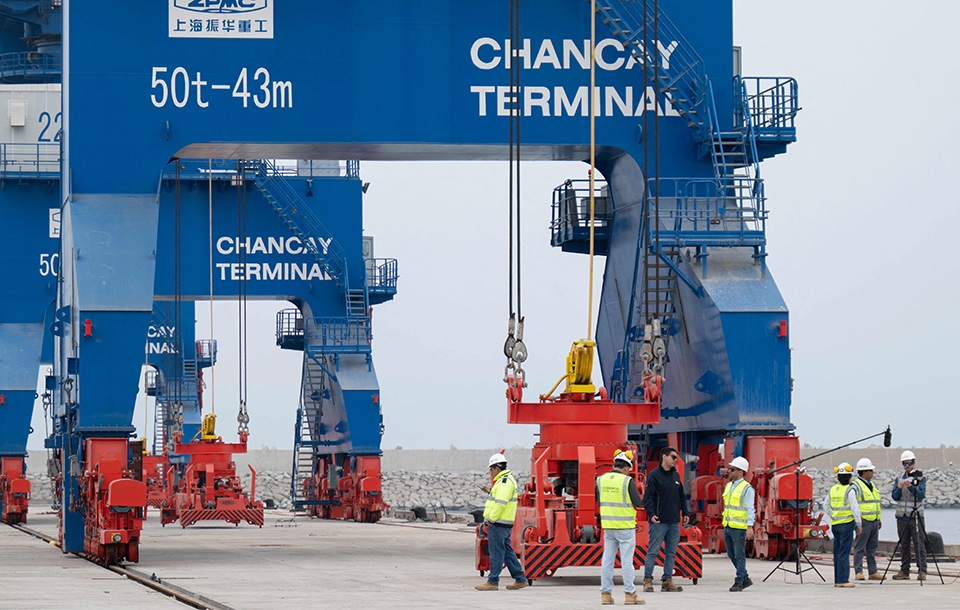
887	437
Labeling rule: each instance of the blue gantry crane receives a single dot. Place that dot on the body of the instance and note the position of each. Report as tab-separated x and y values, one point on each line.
680	135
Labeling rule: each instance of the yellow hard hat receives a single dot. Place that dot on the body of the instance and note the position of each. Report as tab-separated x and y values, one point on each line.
843	468
623	456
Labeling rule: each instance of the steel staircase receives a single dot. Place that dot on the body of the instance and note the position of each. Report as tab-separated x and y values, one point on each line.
684	83
731	205
307	433
315	237
159	428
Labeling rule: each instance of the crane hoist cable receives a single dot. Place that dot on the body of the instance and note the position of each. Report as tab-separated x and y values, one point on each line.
579	368
213	375
514	348
243	418
177	338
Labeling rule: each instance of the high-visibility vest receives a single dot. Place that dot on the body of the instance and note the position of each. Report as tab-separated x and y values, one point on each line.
869	500
501	506
840	505
735	504
616	509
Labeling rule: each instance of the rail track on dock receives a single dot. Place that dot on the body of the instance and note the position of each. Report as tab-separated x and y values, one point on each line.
185	596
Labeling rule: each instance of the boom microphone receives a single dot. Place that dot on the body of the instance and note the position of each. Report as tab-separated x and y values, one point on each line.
887	437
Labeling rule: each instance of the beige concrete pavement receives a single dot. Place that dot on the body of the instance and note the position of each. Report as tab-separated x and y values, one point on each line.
308	563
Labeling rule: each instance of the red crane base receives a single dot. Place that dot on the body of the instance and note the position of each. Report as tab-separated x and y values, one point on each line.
14	491
210	489
113	502
356	495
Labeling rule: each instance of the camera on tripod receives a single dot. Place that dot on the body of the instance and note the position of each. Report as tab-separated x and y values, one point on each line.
916	477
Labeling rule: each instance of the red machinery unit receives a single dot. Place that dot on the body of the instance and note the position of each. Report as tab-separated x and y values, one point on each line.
112	500
14	491
356	494
557	523
210	489
155	478
778	496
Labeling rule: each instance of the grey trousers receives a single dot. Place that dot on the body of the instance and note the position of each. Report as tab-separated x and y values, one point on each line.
907	531
866	544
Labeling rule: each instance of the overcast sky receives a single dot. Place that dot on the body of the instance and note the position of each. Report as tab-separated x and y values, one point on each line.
861	237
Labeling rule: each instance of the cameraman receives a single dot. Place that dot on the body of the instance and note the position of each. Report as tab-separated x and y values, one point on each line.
909	528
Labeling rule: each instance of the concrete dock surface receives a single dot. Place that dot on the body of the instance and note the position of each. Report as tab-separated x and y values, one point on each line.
298	562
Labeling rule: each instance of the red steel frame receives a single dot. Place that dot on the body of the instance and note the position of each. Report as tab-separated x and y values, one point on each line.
776	495
112	501
14	491
356	494
210	489
579	435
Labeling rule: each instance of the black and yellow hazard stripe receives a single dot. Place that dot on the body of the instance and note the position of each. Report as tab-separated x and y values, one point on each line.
541	559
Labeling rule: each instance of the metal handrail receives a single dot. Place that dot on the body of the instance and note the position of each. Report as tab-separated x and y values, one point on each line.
771	100
702	211
38	160
30	63
289	324
339	334
207	349
382	273
570	207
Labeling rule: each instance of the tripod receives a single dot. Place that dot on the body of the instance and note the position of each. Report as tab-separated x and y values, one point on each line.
921	539
795	551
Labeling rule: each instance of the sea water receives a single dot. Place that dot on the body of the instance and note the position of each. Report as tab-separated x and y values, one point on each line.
944	521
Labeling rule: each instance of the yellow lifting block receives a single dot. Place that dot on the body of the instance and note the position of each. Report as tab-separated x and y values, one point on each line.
580	366
208	427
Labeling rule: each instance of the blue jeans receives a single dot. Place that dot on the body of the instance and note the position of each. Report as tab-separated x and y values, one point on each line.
842	542
498	543
736	542
625	541
668	535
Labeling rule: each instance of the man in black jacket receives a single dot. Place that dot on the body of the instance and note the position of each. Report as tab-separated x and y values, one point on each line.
666	505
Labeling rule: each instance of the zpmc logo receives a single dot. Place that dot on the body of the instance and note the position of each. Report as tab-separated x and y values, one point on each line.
221	6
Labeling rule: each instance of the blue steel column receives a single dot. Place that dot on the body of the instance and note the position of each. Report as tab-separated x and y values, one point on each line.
108	253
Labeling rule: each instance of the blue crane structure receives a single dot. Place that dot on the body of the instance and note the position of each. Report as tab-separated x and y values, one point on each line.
680	135
303	244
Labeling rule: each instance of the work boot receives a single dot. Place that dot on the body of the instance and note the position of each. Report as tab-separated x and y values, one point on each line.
631	599
606	599
747	582
901	576
922	576
860	576
648	585
845	585
737	586
519	585
875	576
667	585
486	587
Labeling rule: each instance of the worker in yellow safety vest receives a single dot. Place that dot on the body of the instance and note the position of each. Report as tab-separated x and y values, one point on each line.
868	497
739	513
499	514
843	510
619	499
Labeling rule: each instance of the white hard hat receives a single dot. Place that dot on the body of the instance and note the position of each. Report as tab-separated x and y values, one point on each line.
623	456
741	463
497	458
843	468
865	464
907	455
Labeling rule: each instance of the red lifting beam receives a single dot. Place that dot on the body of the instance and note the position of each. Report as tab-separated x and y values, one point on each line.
210	489
557	523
